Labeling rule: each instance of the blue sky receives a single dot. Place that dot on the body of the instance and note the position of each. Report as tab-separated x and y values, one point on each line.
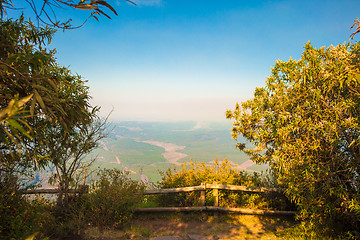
174	60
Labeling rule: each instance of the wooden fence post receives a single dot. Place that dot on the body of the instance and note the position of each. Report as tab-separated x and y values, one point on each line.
216	196
84	180
202	196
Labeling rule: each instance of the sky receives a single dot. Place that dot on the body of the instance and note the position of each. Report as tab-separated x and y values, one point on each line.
191	60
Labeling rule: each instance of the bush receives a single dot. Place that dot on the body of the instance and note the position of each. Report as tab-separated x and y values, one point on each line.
222	173
113	199
69	221
19	217
110	203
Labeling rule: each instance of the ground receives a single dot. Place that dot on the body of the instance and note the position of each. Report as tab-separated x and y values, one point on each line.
197	226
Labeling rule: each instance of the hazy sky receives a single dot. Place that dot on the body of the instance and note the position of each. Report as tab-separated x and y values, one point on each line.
193	59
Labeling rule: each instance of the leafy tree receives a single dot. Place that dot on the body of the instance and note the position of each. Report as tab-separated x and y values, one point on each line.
35	92
306	124
43	108
45	11
34	89
30	78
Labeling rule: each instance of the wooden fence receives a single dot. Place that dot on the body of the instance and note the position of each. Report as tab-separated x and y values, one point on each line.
215	187
202	188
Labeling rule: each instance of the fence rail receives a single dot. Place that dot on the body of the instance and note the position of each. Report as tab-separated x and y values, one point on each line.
81	189
175	190
215	187
202	188
217	209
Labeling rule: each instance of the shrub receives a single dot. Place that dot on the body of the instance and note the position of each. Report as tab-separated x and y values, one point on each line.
113	199
69	221
19	217
222	173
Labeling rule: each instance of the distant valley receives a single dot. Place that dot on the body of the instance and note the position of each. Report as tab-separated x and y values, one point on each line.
145	148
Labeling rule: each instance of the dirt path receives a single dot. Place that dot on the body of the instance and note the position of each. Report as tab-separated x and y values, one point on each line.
107	149
200	226
117	159
104	146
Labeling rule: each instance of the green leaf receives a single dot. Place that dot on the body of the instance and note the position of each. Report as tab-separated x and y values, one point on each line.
31	237
24	100
32	107
14	124
8	110
39	100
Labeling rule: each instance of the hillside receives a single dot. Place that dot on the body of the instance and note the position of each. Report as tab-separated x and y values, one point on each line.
145	148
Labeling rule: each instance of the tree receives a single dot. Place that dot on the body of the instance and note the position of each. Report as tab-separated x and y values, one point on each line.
36	96
306	124
67	150
45	11
43	108
356	27
24	80
34	89
35	92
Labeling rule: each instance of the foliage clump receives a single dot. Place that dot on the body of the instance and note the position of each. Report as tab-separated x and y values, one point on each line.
306	124
110	203
113	199
45	119
37	95
19	217
222	173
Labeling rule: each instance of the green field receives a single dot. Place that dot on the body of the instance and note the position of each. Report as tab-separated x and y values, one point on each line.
202	142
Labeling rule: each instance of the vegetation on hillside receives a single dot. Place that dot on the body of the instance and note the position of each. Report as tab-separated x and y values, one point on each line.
125	141
305	123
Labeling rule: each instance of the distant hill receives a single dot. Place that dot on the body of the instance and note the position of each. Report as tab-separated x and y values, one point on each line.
145	148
